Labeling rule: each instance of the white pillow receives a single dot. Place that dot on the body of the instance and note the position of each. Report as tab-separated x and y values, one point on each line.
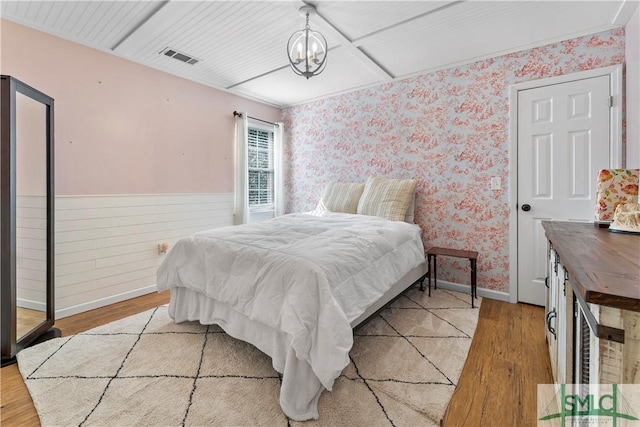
341	197
387	198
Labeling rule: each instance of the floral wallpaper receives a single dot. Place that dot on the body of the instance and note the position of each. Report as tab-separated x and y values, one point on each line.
450	130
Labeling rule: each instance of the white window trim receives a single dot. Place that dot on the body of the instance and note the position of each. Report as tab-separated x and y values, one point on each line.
242	214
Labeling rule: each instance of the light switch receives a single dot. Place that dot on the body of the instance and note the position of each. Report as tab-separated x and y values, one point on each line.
496	183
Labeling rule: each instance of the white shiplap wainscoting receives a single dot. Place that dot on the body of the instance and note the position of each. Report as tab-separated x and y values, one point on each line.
107	246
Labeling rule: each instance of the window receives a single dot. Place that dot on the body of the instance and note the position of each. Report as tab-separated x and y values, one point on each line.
258	192
261	169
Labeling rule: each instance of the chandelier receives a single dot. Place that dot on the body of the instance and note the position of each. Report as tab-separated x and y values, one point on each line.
307	49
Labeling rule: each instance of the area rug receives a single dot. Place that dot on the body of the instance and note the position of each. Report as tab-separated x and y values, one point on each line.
146	370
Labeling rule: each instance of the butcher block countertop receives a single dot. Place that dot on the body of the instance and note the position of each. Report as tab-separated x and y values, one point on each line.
603	266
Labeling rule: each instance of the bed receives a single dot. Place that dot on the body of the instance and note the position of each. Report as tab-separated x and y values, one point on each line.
294	287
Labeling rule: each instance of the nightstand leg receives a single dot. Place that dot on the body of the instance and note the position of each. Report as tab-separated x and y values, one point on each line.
435	272
474	290
430	272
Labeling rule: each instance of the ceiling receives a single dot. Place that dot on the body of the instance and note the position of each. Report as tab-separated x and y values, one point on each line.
241	45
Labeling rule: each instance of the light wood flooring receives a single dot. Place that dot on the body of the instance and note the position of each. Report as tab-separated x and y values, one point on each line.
508	358
27	319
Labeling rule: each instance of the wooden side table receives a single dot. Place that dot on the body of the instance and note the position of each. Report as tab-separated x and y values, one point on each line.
433	253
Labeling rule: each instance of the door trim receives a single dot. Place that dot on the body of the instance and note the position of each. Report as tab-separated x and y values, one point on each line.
615	147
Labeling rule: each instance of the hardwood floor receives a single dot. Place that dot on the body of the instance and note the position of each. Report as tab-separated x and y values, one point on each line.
27	319
508	358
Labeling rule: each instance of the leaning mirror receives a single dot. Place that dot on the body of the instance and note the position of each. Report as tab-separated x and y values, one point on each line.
26	217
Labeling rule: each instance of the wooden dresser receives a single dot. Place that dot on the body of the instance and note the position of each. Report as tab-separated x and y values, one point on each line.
593	304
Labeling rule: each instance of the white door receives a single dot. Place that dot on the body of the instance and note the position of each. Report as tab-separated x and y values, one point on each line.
563	140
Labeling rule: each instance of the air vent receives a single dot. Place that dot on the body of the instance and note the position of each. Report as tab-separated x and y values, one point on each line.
180	56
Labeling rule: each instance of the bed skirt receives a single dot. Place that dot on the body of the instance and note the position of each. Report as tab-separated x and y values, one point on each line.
300	389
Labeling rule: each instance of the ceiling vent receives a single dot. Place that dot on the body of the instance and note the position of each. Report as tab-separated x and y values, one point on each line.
172	53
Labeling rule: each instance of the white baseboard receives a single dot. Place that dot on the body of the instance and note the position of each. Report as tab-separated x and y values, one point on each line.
482	292
31	305
91	305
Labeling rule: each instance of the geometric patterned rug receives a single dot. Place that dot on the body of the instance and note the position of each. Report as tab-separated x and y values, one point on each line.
147	370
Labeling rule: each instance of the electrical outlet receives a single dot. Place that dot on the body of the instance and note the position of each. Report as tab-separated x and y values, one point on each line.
163	248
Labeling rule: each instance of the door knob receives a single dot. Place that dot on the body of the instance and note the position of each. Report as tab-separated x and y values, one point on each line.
526	207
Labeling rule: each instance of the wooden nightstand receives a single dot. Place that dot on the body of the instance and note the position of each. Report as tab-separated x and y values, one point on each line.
433	253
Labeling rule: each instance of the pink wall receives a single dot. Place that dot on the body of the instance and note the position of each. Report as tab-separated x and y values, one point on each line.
31	151
449	129
122	128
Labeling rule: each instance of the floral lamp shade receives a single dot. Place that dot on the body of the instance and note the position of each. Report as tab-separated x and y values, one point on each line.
615	186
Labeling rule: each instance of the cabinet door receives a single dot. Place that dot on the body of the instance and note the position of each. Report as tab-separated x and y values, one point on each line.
560	322
548	304
561	326
552	293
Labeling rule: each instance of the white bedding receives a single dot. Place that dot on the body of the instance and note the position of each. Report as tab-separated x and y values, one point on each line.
304	276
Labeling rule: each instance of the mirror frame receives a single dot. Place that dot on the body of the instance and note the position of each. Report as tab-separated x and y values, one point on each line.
9	87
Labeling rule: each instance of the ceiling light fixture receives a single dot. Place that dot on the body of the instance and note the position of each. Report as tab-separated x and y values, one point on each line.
307	49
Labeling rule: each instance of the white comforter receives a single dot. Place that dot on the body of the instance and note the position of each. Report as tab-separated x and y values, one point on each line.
306	275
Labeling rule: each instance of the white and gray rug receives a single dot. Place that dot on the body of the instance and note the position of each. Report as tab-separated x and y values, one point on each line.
146	370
